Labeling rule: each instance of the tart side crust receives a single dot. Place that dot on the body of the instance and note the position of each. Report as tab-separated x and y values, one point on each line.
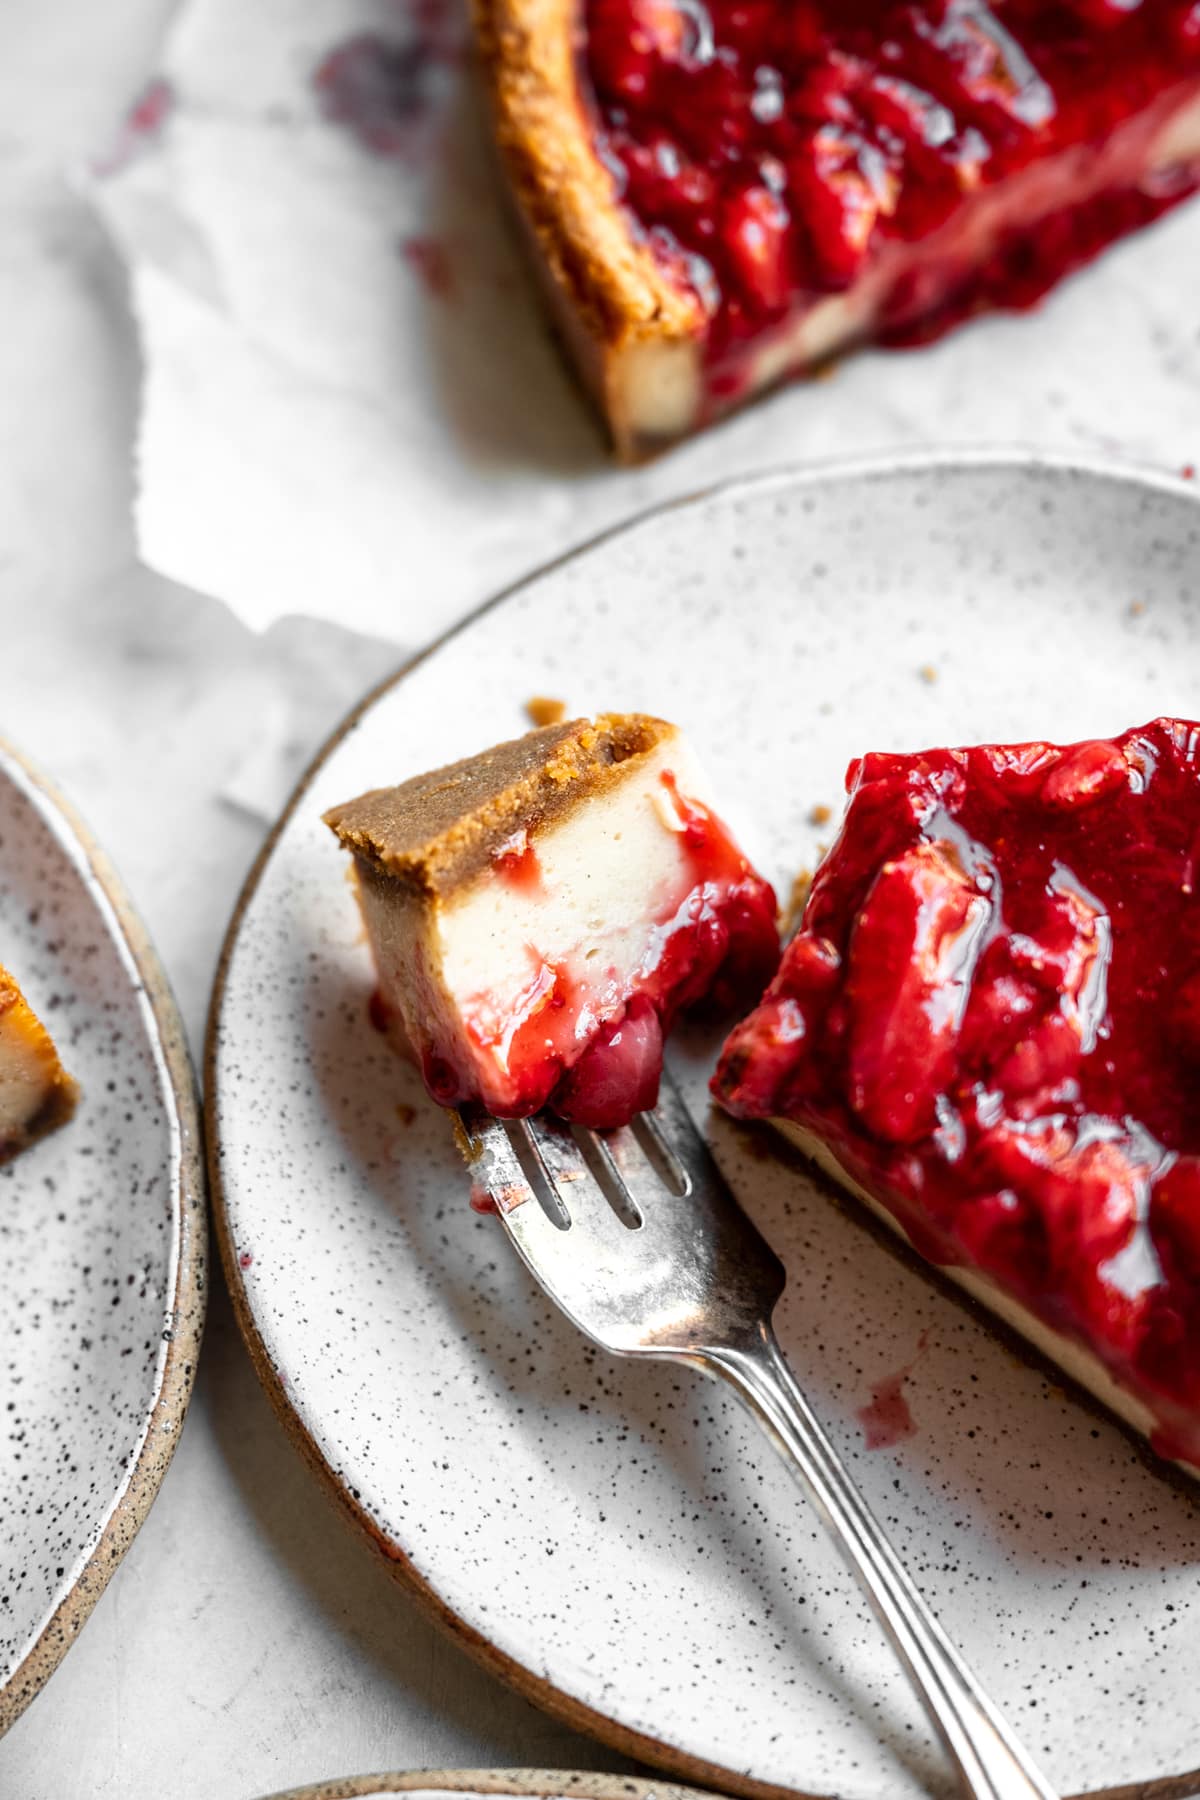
437	831
33	1046
609	295
1079	1364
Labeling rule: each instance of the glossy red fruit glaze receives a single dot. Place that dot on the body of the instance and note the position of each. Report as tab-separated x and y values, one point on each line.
990	1017
778	151
518	863
618	1074
715	943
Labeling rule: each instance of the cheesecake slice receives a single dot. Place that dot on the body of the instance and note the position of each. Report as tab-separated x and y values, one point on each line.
722	194
36	1093
988	1028
540	913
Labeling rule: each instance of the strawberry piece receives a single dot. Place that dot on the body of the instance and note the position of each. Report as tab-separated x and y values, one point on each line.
628	38
666	184
911	958
841	185
1187	28
1087	1193
755	226
1105	15
1000	1232
747	25
1070	955
1175	1216
1184	1016
618	1074
1110	1312
1084	775
813	970
751	950
1000	1010
1168	1358
1047	1055
933	155
970	52
757	1066
1012	771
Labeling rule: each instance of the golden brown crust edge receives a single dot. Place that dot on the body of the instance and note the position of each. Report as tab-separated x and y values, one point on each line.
433	833
606	289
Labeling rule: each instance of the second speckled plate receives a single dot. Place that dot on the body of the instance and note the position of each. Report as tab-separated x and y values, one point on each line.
490	1784
102	1239
615	1538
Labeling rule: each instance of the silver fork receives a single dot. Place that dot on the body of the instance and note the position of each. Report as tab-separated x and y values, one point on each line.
636	1236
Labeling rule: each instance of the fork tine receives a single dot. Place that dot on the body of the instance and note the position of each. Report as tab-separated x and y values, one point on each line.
495	1169
565	1224
656	1249
605	1156
586	1181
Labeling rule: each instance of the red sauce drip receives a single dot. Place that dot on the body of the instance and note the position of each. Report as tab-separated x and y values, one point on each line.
700	832
379	1012
142	126
887	1418
518	865
384	89
244	1259
618	1074
442	1079
719	945
992	1015
774	154
429	258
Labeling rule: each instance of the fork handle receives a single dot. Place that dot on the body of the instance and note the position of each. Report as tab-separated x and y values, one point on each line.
990	1762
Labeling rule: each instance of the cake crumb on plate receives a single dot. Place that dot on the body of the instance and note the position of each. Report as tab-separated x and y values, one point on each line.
797	900
543	710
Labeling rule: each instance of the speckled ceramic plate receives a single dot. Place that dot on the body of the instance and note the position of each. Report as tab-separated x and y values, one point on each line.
616	1538
102	1238
491	1784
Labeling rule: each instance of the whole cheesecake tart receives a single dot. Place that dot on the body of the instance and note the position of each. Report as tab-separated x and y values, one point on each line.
540	913
36	1093
720	194
988	1027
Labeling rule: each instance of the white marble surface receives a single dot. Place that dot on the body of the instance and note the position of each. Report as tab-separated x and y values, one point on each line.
248	1641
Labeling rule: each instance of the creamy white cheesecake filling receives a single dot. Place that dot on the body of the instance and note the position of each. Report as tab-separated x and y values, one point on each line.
658	388
601	878
1076	1362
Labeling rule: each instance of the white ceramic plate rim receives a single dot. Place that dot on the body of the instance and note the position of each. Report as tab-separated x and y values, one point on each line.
504	1784
184	1310
540	1688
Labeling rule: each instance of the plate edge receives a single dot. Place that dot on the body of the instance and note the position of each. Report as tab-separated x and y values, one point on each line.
505	1784
187	1301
